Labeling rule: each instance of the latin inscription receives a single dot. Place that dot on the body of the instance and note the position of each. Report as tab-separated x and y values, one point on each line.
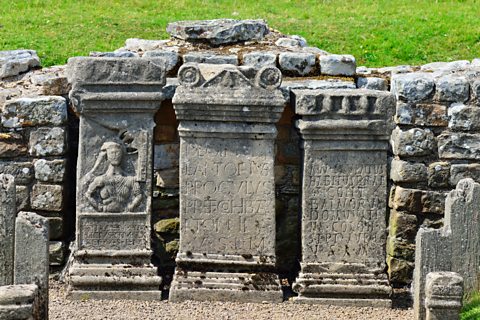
227	199
110	233
344	206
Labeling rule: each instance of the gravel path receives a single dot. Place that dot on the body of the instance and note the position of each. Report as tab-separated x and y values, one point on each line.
63	309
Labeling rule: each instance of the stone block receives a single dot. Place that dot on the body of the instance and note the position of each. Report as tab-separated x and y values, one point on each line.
18	302
421	114
404	171
260	59
23	197
31	255
297	63
14	62
22	171
56	228
167	178
413	142
166	156
47	142
412	87
399	271
56	251
51	84
168	226
462	171
47	197
218	31
33	112
443	295
418	201
451	88
457	145
401	249
464	118
209	57
114	54
338	65
135	44
403	225
12	145
171	58
372	83
50	170
439	174
476	90
8	212
292	41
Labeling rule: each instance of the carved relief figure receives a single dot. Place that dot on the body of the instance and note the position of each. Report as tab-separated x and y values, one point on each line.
113	191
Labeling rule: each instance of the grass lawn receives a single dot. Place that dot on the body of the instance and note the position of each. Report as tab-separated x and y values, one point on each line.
377	33
471	310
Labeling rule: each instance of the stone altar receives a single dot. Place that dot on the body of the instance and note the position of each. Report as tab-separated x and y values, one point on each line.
116	99
227	194
344	192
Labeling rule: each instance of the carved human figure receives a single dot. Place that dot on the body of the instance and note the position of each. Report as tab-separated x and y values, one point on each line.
112	191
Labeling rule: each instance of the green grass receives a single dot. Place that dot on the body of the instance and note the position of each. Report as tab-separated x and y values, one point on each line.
378	33
471	310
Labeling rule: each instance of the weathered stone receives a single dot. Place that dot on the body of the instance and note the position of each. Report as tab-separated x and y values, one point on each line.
372	83
462	171
23	197
292	41
211	58
338	65
8	212
412	87
395	70
456	145
421	114
455	247
404	171
475	62
14	62
18	302
297	63
443	296
399	270
51	84
166	156
31	256
135	44
260	59
117	99
464	118
402	225
446	66
413	142
169	226
219	31
439	174
227	229
317	84
171	58
47	142
115	54
21	171
56	251
167	178
12	145
47	197
49	170
452	88
28	112
401	249
344	245
476	90
416	201
56	228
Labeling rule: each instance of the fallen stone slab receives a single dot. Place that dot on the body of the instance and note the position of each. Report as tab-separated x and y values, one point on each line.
14	62
219	31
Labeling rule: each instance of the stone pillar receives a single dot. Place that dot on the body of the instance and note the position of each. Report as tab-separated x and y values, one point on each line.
455	247
344	196
7	228
116	99
444	295
227	193
32	256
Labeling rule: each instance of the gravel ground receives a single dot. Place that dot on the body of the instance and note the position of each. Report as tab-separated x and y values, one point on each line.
61	308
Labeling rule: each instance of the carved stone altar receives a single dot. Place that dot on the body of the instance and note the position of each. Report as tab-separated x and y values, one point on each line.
227	194
116	99
344	196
